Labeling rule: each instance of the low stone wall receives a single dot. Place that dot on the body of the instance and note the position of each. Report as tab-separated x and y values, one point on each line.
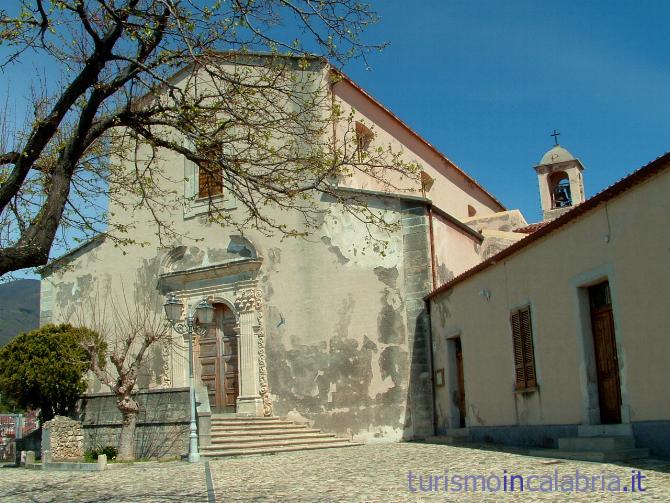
162	424
63	438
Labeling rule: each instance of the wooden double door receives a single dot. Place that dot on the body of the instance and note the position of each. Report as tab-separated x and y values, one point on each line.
218	357
605	352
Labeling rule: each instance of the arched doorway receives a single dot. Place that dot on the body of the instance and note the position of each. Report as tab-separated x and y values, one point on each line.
218	357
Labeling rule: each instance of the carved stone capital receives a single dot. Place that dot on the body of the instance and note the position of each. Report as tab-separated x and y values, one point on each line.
248	300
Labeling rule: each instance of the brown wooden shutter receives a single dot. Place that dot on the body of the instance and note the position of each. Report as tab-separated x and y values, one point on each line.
528	353
524	358
210	176
209	183
517	342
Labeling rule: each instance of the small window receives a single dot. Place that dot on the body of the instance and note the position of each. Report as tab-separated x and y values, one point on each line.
471	211
427	182
210	173
364	137
524	357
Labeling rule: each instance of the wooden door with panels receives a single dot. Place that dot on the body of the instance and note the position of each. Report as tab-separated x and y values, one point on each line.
460	377
606	359
229	354
218	361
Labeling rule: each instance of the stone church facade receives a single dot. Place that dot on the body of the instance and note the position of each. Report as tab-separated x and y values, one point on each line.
320	330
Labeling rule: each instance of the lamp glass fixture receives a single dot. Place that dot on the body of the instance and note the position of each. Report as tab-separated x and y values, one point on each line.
173	308
205	312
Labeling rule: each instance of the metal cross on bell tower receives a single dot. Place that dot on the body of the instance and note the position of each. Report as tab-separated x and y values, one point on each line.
555	134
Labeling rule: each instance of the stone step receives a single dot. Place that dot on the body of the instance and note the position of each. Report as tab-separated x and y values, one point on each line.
596	443
246	419
228	439
244	433
333	441
604	430
245	424
272	450
596	456
241	417
261	431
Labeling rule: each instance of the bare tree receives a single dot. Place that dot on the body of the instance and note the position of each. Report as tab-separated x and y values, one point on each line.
128	329
153	73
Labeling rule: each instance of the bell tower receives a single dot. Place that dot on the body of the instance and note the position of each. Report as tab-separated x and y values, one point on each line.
561	182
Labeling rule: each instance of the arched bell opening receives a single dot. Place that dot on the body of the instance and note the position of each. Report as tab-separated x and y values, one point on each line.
559	188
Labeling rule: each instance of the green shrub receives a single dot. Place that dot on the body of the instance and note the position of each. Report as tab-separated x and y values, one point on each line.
44	369
92	454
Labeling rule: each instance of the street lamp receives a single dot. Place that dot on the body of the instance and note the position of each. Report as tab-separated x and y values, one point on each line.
204	314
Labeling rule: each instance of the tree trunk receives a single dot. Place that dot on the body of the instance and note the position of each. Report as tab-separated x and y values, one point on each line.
129	409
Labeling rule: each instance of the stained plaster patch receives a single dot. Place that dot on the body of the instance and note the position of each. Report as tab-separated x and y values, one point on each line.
350	239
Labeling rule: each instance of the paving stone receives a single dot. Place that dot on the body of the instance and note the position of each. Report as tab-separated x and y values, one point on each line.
370	473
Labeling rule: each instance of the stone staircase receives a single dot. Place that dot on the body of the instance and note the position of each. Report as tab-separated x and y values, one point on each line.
600	443
233	435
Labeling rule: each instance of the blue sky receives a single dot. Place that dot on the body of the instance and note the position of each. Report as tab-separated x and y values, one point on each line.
487	81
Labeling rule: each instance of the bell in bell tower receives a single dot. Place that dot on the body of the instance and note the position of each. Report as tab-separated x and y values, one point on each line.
560	179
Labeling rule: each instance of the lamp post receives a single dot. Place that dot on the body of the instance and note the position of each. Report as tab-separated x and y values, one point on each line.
204	314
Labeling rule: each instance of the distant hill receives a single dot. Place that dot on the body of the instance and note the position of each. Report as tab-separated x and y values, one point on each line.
19	308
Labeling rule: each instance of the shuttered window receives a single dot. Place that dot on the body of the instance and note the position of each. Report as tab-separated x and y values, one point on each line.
524	358
210	174
209	183
364	137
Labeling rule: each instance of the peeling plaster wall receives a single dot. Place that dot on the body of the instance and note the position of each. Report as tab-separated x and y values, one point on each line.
340	336
346	331
91	284
608	242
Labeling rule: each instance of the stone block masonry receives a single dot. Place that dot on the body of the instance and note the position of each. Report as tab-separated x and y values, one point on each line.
63	438
416	252
162	425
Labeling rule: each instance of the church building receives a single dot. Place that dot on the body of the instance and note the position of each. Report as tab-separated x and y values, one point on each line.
322	331
468	323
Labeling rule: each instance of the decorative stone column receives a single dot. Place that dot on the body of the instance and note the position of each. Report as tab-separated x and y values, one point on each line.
249	401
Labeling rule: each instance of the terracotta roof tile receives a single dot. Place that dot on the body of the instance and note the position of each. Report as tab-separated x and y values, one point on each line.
530	228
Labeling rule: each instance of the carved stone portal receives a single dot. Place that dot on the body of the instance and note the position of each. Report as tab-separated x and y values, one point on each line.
254	396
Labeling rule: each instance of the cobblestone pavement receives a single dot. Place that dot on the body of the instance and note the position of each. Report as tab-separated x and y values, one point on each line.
371	473
140	482
375	473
